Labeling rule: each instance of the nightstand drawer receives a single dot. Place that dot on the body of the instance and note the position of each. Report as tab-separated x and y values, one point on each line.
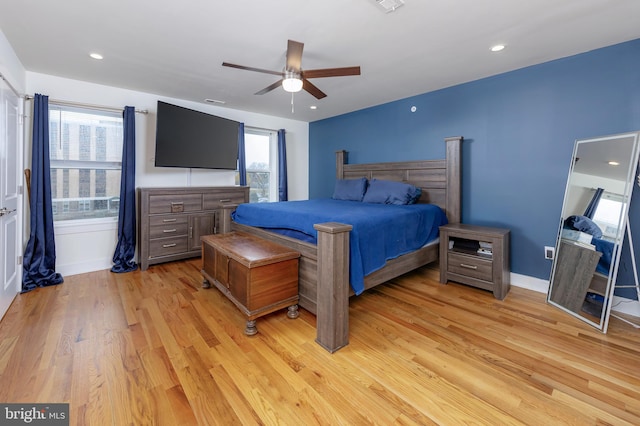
470	266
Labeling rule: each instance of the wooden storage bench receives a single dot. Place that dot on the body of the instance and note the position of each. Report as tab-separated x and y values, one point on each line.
257	275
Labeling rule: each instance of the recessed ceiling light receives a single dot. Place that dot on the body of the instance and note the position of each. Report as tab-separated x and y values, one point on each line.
614	163
497	47
95	55
388	6
313	107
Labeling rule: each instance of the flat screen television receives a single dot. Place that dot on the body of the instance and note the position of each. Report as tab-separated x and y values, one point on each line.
194	139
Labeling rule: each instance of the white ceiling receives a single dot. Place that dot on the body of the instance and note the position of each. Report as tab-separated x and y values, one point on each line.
176	48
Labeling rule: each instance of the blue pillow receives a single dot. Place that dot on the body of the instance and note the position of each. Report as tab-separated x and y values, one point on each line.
391	192
583	224
350	189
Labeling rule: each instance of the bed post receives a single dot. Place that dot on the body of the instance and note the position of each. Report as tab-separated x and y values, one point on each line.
225	220
454	178
332	311
341	160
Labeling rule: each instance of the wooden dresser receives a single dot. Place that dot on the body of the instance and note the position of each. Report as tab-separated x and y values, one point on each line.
172	220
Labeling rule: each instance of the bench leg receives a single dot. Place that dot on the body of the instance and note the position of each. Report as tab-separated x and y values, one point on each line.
250	329
292	312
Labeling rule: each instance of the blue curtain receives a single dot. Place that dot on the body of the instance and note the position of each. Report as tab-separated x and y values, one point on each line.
283	191
242	159
39	261
124	256
593	204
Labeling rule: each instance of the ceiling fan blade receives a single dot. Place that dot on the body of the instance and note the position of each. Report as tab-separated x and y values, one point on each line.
270	88
331	72
242	67
306	85
294	55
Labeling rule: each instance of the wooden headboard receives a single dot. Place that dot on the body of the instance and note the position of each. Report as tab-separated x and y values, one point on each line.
440	180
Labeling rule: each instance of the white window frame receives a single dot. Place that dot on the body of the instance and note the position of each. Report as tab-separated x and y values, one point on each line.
273	158
72	226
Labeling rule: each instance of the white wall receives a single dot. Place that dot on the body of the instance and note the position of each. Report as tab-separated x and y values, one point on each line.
10	66
88	247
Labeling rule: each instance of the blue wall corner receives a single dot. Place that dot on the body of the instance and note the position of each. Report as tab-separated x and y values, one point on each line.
519	130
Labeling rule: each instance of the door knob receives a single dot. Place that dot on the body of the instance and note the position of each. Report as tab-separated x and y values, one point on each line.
4	211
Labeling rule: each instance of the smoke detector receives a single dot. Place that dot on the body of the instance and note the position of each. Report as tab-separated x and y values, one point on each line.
388	6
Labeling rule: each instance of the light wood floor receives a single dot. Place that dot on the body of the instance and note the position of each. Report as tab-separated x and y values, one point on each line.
154	348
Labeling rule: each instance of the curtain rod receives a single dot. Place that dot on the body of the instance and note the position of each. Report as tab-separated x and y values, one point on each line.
13	89
89	106
264	129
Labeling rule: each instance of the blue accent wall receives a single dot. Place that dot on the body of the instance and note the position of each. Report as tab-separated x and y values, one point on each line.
519	130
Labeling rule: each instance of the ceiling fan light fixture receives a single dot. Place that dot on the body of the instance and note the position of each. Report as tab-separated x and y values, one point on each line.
292	82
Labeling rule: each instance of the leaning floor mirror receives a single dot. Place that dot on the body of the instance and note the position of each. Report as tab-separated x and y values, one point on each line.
593	225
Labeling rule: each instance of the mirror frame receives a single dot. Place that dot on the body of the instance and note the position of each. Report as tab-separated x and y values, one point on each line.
620	235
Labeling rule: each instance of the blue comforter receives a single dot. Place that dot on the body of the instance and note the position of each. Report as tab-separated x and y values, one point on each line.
606	248
380	231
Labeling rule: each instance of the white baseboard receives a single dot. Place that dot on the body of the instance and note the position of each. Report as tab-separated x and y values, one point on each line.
626	306
620	304
530	283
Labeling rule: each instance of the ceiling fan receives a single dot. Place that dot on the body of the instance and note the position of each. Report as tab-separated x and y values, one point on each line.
294	78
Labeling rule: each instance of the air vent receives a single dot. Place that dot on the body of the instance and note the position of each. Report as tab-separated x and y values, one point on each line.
388	6
214	101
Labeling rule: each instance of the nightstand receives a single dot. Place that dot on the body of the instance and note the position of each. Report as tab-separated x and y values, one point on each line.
477	256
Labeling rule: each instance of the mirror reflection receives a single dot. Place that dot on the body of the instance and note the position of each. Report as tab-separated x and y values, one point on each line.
592	226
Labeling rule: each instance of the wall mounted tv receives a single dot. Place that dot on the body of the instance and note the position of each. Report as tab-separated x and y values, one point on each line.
194	139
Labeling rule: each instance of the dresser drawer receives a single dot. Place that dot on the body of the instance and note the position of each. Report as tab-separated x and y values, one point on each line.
470	266
167	246
168	230
177	203
215	200
168	220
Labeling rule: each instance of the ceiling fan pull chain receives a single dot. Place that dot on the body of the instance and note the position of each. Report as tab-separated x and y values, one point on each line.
292	110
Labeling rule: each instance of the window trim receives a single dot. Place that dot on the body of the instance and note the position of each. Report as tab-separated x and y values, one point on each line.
91	223
273	158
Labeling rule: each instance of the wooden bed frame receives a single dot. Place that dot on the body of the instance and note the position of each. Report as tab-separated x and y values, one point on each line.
324	268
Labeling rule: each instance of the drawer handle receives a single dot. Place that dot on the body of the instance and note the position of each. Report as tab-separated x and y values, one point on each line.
226	200
169	220
173	203
169	245
464	265
166	231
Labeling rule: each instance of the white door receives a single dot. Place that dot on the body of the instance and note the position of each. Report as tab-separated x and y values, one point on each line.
10	208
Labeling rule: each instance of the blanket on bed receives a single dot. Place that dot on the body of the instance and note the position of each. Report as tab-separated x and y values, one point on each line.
606	248
380	231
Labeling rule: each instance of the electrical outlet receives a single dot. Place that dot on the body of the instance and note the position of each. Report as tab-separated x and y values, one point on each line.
549	252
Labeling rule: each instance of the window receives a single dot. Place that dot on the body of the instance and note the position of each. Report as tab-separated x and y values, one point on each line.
261	148
607	214
85	151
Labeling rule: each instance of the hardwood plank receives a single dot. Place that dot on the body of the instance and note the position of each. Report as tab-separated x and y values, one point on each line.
153	347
